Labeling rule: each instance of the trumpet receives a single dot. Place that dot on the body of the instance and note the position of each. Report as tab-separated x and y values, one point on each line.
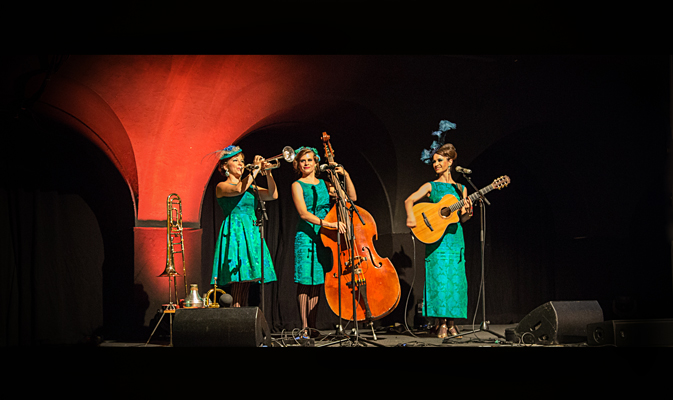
212	292
287	154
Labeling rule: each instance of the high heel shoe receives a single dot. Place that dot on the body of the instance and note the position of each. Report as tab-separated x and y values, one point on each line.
442	331
453	331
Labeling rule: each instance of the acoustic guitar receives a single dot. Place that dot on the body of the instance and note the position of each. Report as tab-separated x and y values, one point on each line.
432	219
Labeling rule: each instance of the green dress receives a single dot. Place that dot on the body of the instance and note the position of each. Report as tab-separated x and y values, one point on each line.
445	293
237	251
311	258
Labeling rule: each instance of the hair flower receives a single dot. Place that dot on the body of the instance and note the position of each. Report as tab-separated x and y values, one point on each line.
444	126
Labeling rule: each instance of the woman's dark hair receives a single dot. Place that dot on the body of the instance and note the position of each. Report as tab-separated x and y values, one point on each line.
447	150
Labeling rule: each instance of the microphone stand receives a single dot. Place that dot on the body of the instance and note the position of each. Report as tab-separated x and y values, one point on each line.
484	327
351	260
262	216
339	201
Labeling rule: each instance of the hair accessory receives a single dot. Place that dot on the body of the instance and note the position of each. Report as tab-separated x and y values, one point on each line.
317	156
444	126
229	151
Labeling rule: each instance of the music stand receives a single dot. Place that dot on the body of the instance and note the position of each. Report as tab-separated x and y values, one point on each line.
483	327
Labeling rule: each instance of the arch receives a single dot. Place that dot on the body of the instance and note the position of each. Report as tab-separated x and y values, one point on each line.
86	113
361	143
355	128
80	236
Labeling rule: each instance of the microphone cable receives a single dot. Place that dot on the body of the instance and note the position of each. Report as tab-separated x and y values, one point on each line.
413	280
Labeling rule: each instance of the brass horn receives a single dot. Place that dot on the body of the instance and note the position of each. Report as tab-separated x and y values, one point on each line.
175	244
287	154
212	292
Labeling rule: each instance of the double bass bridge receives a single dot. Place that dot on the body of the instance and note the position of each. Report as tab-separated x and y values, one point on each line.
357	260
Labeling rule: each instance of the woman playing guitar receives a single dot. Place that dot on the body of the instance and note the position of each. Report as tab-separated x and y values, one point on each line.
445	292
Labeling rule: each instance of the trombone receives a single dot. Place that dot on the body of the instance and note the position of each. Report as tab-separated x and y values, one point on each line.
174	245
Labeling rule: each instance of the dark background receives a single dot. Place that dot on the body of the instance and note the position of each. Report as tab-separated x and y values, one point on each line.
584	139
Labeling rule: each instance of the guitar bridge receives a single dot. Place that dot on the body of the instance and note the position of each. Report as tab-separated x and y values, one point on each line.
427	223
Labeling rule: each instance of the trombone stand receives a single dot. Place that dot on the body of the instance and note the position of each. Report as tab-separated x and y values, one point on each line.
170	309
484	326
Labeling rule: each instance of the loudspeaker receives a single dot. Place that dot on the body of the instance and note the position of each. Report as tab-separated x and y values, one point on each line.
220	327
559	322
631	333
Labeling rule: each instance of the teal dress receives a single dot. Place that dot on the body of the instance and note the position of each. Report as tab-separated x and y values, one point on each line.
237	251
445	293
311	258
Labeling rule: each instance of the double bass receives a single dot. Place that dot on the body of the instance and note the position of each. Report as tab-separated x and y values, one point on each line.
361	286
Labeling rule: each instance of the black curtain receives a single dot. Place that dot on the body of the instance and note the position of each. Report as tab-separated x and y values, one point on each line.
67	245
585	142
281	307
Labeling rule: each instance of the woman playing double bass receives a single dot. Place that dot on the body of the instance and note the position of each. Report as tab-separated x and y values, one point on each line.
311	197
362	285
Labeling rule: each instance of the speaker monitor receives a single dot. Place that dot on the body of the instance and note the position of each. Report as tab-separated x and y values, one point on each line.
631	333
220	327
558	322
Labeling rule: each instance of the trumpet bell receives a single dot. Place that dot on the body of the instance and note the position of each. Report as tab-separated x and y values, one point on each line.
287	154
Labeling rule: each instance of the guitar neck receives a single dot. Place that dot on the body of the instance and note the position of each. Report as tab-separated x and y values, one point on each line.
474	196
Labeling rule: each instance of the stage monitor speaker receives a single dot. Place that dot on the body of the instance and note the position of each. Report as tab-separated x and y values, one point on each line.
220	327
558	322
631	333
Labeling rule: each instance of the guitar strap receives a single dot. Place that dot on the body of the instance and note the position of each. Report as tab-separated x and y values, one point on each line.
459	188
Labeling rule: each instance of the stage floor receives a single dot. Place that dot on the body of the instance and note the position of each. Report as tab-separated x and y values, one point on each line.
389	337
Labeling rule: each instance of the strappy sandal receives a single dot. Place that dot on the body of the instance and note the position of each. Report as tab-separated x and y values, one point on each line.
453	331
442	332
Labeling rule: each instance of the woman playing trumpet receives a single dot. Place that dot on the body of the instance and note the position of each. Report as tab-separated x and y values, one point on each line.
312	259
237	251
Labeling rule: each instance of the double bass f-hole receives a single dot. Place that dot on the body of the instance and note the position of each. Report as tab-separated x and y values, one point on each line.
380	264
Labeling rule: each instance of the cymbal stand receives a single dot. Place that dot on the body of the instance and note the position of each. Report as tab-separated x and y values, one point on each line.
484	326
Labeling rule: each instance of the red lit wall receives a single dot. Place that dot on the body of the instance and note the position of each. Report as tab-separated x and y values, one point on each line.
158	117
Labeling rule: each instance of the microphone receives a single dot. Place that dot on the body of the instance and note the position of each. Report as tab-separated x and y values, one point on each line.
463	170
325	167
251	167
225	300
